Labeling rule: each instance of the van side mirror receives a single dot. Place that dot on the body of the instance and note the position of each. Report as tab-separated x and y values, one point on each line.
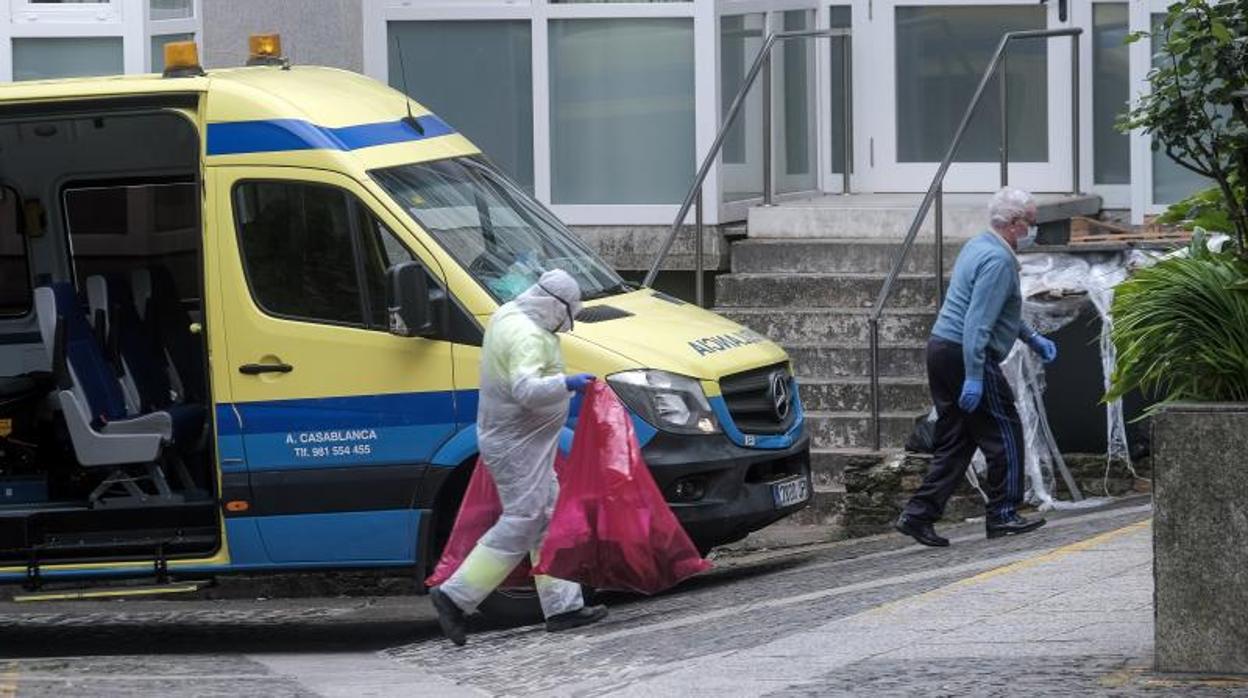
408	304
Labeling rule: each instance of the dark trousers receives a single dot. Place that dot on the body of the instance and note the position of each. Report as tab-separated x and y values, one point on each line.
993	427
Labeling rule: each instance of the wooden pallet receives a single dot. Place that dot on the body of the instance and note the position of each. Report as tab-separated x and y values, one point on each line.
1089	231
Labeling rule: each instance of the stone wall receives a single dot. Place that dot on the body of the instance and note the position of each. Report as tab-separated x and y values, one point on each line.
877	488
1200	538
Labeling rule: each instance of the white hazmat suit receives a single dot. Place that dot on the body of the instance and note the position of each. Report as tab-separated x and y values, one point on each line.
522	410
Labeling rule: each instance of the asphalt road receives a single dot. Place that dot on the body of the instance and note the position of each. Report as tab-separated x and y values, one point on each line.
389	645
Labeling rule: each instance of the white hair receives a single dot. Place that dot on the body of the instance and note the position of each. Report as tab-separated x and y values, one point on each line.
1007	205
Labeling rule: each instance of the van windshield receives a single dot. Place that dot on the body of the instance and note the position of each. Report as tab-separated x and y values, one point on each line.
500	234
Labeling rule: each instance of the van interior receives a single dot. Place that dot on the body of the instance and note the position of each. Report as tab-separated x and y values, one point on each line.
105	412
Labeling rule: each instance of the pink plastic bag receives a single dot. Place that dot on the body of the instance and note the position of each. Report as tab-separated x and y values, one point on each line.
612	529
478	511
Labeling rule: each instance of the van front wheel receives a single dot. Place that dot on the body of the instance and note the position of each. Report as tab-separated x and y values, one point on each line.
512	606
519	605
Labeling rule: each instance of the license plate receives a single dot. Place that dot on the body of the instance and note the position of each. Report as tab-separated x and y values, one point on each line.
789	492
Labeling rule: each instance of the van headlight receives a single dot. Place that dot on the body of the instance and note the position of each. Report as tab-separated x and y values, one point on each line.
668	401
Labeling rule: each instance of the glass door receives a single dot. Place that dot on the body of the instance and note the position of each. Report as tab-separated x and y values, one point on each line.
931	58
1157	181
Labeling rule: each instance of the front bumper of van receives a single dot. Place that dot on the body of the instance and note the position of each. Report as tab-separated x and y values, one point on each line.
720	491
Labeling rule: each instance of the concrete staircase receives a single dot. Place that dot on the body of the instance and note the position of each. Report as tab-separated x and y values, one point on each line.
807	275
813	296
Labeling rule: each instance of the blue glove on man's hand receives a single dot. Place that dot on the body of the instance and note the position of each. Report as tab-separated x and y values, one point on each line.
578	382
1043	346
972	393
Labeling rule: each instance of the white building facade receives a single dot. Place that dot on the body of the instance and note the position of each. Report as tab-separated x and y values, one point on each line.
604	109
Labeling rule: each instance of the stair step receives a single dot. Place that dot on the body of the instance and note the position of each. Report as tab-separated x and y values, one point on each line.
840	361
862	255
834	325
897	394
821	290
837	430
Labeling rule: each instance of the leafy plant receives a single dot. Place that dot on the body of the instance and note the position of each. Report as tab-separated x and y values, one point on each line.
1181	329
1206	209
1197	107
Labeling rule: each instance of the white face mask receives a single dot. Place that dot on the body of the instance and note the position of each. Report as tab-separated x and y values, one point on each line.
1030	237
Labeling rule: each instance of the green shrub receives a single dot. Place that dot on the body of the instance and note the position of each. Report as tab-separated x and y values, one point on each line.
1181	329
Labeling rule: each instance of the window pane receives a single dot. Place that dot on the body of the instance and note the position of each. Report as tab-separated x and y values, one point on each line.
621	110
175	207
1111	81
795	107
296	247
380	250
158	48
171	9
1171	181
43	59
478	76
841	18
15	293
98	211
942	53
740	38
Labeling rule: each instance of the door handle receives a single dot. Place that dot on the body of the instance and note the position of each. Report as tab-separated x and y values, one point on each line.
257	369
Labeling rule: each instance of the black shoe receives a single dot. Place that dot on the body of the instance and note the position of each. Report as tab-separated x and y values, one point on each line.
1011	525
921	531
450	617
575	619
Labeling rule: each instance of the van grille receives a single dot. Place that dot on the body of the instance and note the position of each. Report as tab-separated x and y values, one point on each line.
752	400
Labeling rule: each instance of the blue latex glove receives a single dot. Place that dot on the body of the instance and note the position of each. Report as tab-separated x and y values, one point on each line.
578	382
972	393
1043	346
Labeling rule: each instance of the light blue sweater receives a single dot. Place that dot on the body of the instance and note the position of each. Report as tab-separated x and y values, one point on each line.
983	306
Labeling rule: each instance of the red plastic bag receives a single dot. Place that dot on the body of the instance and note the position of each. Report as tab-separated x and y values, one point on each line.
611	528
478	511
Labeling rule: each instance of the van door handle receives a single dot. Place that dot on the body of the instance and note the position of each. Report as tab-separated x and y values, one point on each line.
257	369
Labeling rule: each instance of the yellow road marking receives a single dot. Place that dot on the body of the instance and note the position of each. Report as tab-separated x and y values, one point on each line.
8	684
80	594
1056	553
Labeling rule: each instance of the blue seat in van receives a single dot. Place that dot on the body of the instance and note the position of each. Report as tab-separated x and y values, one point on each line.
103	433
145	373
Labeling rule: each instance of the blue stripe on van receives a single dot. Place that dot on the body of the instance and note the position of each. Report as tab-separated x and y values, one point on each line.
339	431
275	135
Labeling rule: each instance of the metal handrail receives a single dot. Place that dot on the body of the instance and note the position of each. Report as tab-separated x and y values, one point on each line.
935	192
695	191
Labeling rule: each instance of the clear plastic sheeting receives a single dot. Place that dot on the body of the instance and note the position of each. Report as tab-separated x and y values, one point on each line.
1055	287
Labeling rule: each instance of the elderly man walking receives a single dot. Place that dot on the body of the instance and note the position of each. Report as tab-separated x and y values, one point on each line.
977	326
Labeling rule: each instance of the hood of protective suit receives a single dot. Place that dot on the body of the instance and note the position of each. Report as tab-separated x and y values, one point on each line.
552	302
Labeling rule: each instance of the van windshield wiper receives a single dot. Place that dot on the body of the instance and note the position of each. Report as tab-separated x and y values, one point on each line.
615	290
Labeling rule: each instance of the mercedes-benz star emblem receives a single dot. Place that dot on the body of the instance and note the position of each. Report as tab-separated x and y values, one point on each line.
779	394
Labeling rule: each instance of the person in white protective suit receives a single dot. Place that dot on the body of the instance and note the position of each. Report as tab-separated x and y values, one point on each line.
523	408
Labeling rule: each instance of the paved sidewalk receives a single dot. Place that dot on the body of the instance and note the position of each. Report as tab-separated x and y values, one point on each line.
1075	620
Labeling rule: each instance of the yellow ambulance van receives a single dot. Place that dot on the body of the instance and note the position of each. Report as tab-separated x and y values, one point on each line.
241	320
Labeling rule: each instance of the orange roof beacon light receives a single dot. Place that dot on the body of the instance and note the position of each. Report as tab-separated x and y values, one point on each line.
182	60
265	49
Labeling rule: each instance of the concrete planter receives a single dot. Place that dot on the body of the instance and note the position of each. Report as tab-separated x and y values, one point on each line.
1200	538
